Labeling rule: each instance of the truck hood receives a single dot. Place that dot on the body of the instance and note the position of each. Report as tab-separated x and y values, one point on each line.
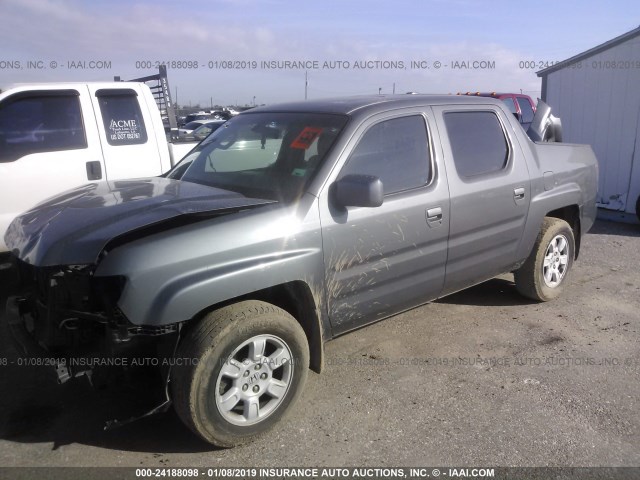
73	228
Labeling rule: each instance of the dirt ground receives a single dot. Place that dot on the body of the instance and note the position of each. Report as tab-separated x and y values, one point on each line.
483	377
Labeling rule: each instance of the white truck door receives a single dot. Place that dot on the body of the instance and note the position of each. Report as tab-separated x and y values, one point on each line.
48	144
127	129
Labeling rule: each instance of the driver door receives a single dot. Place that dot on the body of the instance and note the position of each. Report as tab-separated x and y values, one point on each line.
383	260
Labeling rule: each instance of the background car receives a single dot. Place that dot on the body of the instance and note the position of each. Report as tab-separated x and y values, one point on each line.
201	132
195	116
522	106
188	128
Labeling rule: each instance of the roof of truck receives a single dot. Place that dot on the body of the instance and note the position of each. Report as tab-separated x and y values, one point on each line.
69	85
349	105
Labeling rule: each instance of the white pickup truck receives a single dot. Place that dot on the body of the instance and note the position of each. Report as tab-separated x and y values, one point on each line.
58	136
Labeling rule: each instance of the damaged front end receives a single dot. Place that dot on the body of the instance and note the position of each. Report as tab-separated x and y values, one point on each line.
66	313
70	317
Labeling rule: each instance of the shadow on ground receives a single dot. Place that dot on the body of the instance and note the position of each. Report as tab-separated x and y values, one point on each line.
605	227
35	409
498	292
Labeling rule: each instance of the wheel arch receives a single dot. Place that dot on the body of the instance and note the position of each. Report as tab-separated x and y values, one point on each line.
297	299
571	215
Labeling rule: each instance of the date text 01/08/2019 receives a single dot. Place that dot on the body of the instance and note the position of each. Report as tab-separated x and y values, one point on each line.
314	472
593	65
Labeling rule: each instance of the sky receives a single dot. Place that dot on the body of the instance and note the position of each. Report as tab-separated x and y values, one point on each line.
343	47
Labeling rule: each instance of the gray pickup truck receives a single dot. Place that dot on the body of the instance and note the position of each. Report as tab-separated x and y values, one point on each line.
288	226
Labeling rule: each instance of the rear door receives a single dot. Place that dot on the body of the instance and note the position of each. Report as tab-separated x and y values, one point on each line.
127	132
490	191
379	261
48	144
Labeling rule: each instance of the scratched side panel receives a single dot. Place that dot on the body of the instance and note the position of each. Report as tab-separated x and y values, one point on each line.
384	260
381	261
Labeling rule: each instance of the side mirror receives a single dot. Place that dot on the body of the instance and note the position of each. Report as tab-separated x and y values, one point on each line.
358	191
518	117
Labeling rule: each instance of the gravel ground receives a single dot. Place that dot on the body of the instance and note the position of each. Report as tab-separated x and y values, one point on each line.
483	377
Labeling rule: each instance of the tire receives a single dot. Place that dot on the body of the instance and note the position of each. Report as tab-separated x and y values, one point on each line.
246	366
638	209
543	275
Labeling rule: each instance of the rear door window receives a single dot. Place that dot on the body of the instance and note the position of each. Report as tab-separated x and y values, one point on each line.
477	142
47	122
122	117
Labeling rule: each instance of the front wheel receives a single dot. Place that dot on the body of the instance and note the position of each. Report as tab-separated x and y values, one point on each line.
241	369
544	273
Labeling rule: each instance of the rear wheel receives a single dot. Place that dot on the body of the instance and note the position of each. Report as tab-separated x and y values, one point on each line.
544	274
243	368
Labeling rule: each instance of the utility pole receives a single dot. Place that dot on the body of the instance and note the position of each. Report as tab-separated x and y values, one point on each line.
394	88
306	84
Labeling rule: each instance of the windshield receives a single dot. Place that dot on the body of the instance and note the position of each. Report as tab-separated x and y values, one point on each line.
263	155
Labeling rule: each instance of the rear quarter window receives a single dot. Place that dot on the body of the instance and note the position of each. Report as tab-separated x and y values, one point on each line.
477	141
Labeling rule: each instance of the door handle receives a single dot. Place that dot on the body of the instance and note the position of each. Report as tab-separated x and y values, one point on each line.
518	193
434	213
94	170
434	216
